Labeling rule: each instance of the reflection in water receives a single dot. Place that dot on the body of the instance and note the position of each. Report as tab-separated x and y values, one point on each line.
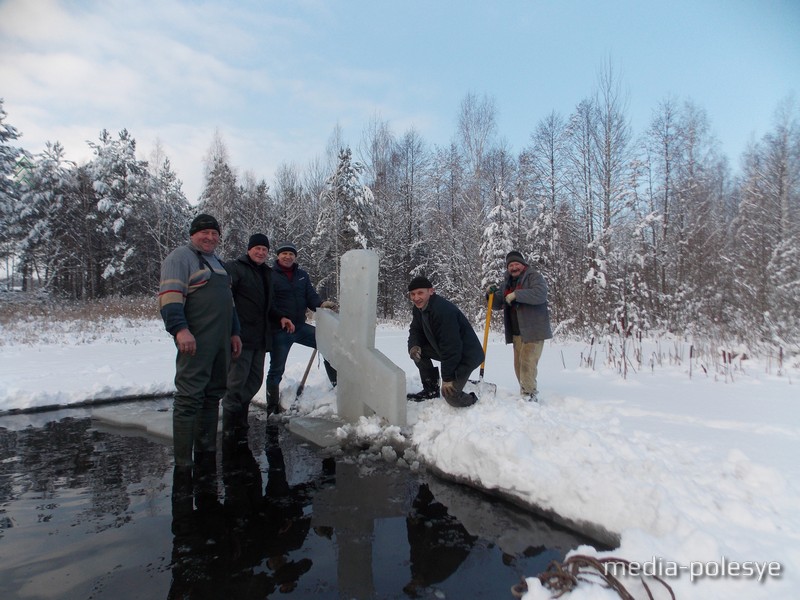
240	548
439	543
285	507
98	514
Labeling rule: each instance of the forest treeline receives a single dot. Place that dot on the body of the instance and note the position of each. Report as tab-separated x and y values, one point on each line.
646	232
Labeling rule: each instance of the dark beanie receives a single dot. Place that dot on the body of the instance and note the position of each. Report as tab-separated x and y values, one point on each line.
419	282
286	247
515	256
258	239
203	221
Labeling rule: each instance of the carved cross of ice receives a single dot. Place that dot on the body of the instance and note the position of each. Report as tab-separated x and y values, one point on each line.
368	382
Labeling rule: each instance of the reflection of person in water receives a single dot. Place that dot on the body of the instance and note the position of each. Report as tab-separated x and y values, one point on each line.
245	524
438	542
198	529
215	549
287	523
219	551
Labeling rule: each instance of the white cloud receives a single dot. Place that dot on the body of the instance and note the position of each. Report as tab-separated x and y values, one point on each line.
276	77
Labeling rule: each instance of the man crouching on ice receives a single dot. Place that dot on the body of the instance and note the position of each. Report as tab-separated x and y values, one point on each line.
440	331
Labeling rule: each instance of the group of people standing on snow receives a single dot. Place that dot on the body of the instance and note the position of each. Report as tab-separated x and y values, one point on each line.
226	316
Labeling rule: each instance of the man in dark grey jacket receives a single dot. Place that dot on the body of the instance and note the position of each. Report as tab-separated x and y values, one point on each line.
440	331
525	317
251	284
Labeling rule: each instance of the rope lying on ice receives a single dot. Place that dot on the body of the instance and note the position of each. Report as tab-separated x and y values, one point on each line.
564	577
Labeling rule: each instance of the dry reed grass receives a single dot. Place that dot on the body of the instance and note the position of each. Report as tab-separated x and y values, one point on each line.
18	307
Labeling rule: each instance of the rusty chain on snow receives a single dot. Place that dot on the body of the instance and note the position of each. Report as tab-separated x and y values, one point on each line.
562	578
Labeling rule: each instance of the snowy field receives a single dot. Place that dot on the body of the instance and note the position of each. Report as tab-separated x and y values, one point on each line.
698	476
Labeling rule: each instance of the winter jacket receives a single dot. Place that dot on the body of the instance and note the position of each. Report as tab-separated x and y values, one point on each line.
292	297
251	285
451	335
530	304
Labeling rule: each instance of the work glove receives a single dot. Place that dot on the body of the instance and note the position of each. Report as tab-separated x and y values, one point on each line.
510	297
327	304
492	289
415	353
448	389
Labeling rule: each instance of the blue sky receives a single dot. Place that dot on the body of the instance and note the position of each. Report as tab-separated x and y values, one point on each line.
275	78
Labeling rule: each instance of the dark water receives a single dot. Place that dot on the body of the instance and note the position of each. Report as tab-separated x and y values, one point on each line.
95	514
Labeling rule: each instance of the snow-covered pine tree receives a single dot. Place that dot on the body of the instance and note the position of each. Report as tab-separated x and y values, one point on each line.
121	186
168	213
293	213
220	198
47	187
10	157
498	240
344	222
252	215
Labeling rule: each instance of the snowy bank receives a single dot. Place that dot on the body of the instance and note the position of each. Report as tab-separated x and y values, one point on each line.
685	471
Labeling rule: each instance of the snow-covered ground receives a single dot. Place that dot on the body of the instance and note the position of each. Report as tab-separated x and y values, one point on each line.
699	476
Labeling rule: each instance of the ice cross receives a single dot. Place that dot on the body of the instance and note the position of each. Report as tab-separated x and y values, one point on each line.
368	382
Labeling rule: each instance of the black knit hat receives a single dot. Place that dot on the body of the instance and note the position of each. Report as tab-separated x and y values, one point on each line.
258	239
419	282
515	256
203	221
286	247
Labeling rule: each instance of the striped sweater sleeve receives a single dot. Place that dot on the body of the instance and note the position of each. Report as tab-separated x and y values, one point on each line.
181	274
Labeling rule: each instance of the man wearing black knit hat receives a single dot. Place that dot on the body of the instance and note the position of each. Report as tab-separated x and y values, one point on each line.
440	331
197	308
294	294
525	317
251	284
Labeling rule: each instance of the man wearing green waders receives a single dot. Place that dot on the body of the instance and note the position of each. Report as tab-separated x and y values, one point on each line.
197	307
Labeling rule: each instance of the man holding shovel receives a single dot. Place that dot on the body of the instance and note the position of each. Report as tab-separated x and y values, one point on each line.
440	331
526	318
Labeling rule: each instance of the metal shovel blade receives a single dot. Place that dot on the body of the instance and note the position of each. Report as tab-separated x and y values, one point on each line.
482	389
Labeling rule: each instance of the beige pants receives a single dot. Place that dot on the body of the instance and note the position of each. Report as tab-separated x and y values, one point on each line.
526	363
